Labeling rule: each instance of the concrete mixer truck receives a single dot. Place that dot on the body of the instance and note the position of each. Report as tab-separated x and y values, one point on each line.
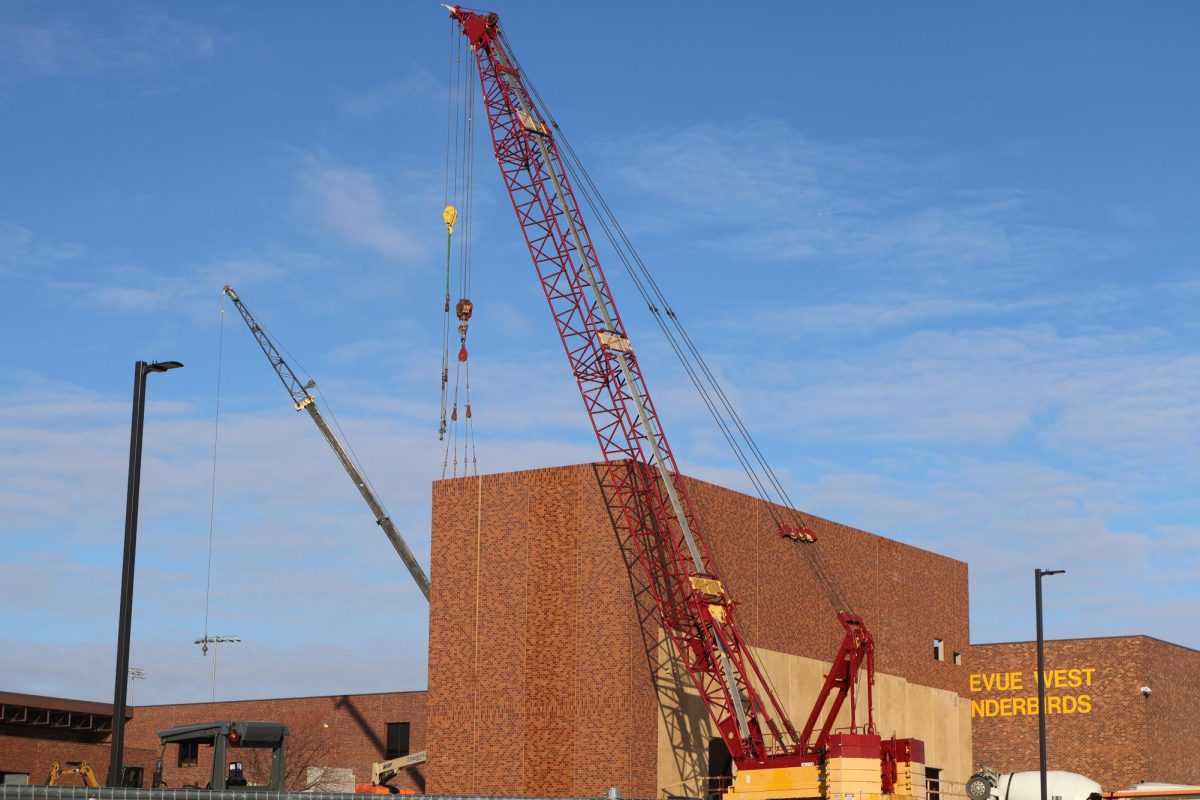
988	784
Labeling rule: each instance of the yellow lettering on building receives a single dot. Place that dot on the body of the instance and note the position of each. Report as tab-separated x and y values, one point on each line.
996	682
1071	678
1065	702
1028	706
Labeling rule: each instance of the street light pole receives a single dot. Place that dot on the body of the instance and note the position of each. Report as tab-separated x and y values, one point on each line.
140	370
1038	574
205	641
135	674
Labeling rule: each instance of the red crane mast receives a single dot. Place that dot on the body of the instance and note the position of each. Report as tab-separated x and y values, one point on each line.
645	491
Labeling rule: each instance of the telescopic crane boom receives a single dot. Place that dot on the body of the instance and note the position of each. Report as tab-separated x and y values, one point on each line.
305	402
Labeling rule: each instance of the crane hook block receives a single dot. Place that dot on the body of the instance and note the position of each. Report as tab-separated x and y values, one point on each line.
449	215
464	309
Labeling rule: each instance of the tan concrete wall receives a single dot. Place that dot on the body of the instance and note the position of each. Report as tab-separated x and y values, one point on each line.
938	717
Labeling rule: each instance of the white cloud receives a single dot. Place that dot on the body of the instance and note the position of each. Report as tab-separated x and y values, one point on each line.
417	86
286	517
763	190
349	204
22	253
141	43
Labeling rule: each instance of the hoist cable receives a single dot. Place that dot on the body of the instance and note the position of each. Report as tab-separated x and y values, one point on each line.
767	485
461	194
212	497
449	110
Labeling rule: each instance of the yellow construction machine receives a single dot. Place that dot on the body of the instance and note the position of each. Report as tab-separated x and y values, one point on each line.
81	768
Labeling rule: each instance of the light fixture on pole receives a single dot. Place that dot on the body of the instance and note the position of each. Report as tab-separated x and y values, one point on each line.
135	674
125	617
204	642
1038	574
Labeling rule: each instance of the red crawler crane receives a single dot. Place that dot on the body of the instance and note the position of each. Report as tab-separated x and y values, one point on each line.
645	491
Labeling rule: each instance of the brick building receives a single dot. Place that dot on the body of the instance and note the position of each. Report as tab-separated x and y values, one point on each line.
343	732
37	731
542	681
1100	721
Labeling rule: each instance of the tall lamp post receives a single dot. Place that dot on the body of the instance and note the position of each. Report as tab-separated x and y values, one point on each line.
140	370
1038	574
204	641
135	674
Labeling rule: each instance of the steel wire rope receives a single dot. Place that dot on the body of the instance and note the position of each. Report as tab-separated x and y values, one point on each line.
832	592
454	89
603	214
468	250
812	556
463	169
692	360
212	497
621	243
455	45
594	205
817	563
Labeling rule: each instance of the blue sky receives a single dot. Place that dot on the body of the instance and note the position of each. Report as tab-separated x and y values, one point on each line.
943	256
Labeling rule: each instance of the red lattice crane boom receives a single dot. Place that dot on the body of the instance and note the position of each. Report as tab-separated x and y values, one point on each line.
645	491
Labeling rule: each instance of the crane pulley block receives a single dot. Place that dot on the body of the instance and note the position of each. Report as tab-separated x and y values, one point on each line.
706	585
532	125
797	533
614	341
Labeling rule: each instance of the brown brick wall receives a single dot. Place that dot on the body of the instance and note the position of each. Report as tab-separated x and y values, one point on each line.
1110	732
553	695
339	731
1173	672
34	756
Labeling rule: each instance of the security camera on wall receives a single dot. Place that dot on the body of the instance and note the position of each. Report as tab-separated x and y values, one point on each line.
1147	691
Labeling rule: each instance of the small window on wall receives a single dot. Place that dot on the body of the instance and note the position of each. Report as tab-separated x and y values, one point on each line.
189	754
958	659
933	782
939	650
397	739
